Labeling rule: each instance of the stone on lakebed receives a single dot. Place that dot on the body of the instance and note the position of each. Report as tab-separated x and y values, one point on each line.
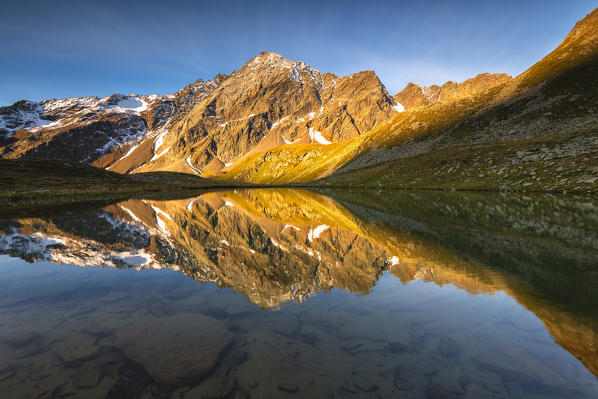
175	350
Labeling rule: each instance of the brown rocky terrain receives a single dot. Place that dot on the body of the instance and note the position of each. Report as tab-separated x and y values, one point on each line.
204	127
551	103
536	131
269	102
278	121
414	95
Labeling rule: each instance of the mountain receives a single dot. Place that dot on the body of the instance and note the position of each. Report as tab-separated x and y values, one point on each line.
275	121
534	132
206	126
86	128
414	95
80	129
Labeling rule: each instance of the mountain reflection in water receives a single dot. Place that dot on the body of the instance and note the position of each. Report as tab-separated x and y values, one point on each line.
487	285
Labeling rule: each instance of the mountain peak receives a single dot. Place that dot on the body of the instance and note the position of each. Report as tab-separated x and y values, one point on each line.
586	28
268	58
269	54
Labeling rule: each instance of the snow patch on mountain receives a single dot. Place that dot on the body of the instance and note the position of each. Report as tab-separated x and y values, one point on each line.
289	226
78	111
161	225
295	74
315	233
30	118
132	259
135	133
156	156
288	141
278	245
193	167
399	107
301	68
278	122
317	136
189	206
133	148
161	212
130	213
63	250
128	105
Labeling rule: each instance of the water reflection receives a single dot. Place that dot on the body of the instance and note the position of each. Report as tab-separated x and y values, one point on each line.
487	283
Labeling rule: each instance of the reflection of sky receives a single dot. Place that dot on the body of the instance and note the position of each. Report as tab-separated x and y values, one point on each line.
488	328
494	327
60	49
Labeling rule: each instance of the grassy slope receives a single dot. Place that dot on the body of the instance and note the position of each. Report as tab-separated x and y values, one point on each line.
536	164
554	98
557	150
34	182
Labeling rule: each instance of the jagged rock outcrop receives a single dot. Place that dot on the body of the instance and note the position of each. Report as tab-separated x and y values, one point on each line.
80	129
414	95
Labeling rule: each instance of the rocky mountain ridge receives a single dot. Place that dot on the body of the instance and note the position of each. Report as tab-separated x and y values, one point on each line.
269	102
469	142
279	121
414	95
206	126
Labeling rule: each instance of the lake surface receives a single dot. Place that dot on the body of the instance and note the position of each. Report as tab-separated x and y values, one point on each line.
290	293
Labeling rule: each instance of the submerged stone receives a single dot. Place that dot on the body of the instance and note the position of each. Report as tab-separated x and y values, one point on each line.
437	391
519	377
175	350
492	382
22	339
425	366
131	382
365	384
289	388
403	379
448	346
396	348
79	347
87	376
5	373
287	326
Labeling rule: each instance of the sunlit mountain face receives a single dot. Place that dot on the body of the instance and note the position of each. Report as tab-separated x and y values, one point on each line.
284	292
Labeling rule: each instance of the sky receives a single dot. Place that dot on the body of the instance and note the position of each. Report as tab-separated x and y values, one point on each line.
57	49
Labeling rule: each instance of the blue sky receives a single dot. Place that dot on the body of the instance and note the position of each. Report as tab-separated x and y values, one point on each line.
55	49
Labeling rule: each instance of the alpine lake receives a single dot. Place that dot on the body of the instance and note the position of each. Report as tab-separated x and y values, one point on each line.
289	293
